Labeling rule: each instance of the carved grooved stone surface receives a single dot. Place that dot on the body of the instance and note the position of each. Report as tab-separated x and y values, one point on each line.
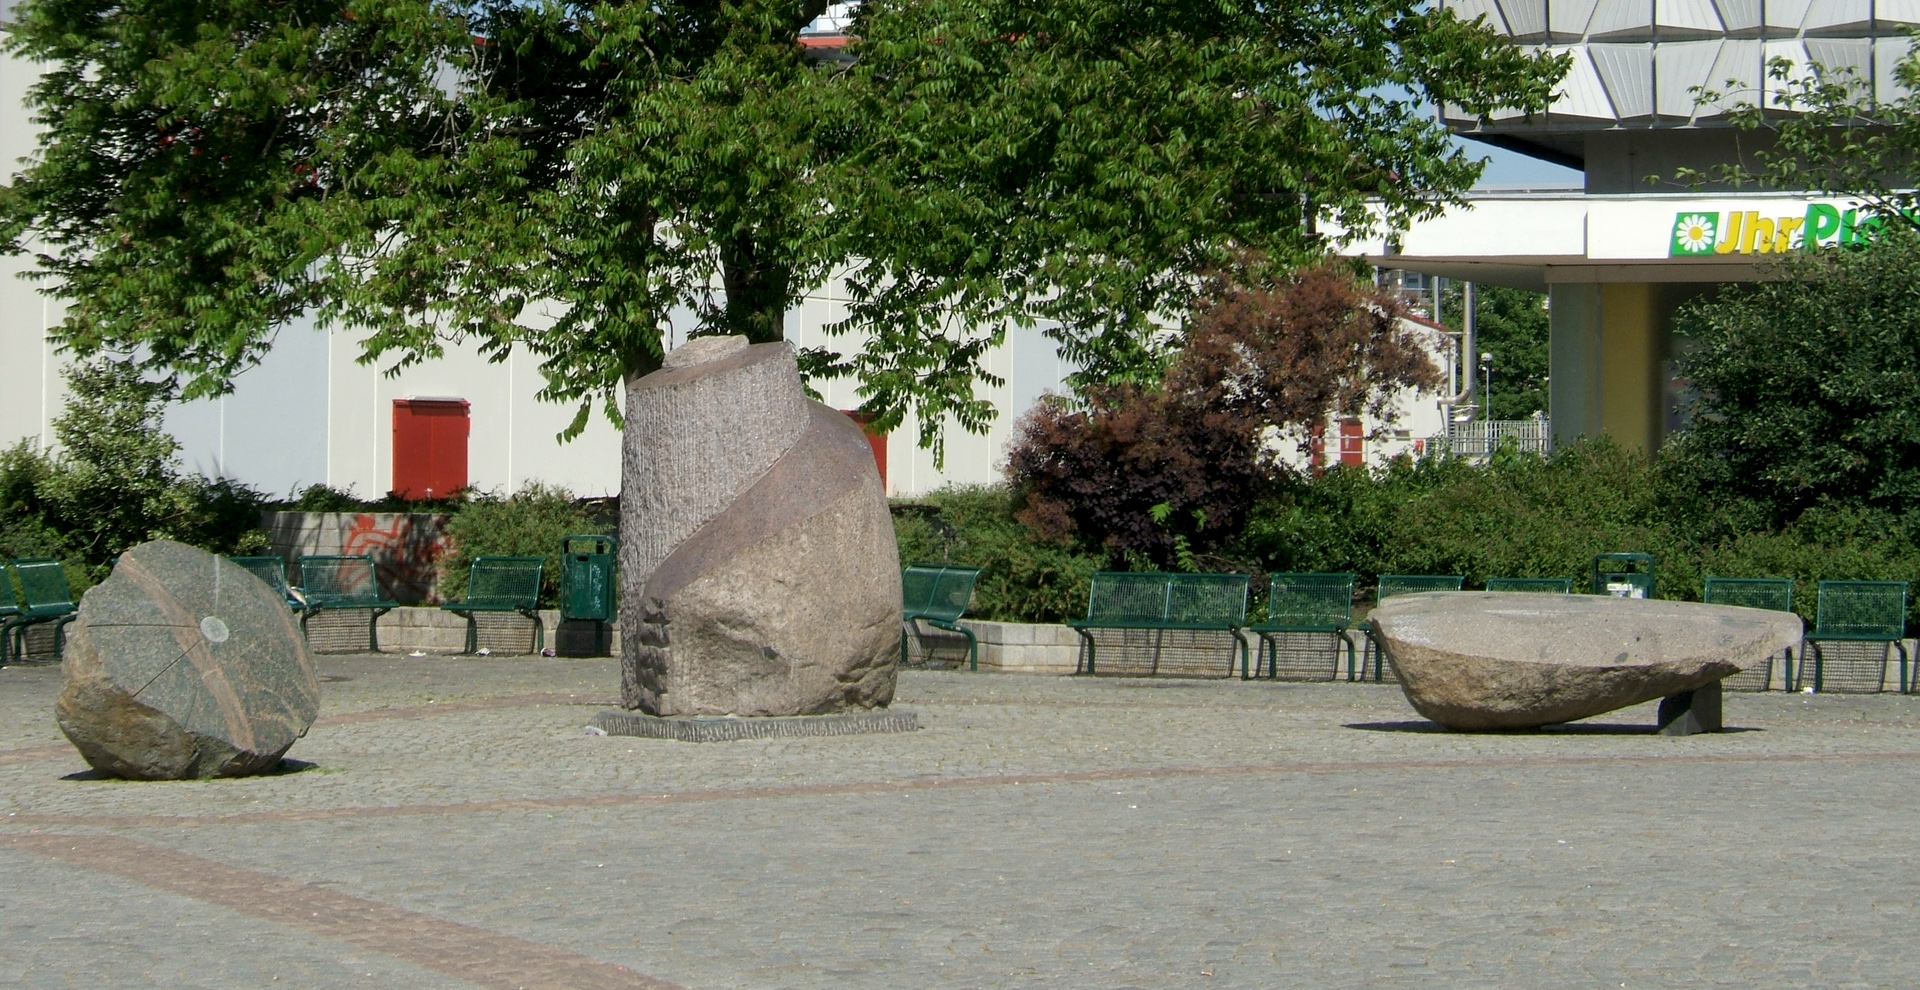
715	417
181	664
1483	660
765	592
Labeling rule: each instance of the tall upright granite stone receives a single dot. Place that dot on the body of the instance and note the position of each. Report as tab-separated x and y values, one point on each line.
759	570
182	664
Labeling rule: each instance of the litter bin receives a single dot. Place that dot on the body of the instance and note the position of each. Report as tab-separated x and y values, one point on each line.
586	578
1623	575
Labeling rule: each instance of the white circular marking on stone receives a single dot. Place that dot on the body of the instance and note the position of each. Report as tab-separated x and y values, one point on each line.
214	629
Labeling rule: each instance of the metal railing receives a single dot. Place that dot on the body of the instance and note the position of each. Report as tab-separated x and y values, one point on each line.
1481	438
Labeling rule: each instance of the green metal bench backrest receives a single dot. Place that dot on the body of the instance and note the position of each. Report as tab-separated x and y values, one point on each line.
1208	599
505	581
325	577
43	583
9	598
937	590
1551	586
1310	600
272	570
1862	609
1184	599
1773	594
1413	584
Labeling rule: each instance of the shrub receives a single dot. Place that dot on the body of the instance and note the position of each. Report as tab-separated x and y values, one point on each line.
531	522
1023	579
1163	476
1809	384
1521	515
115	483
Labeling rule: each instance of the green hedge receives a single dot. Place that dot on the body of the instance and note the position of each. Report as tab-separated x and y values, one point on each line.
1518	516
530	523
1024	580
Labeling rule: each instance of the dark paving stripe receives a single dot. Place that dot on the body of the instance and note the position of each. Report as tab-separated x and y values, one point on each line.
925	784
484	958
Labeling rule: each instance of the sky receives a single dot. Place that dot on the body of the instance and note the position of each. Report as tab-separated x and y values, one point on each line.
1510	168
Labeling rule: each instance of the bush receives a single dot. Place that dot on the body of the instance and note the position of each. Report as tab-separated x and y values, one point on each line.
1808	385
1163	476
1023	579
530	523
115	483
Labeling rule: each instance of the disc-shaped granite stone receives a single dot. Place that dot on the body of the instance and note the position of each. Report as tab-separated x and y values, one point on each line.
182	664
1487	660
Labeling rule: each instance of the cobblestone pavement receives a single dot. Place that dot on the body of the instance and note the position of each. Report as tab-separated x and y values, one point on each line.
450	824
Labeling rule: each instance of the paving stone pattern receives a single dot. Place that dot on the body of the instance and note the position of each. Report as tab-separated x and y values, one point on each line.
1038	832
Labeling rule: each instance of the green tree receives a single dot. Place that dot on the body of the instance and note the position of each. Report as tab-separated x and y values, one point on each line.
1808	384
115	479
564	177
1512	326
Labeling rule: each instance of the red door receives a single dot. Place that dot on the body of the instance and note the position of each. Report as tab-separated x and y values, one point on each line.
429	447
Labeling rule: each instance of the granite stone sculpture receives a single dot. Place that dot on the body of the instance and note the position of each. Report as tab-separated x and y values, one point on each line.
1484	660
759	570
182	664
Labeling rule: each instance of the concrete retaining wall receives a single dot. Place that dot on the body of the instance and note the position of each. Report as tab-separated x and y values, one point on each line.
431	630
406	546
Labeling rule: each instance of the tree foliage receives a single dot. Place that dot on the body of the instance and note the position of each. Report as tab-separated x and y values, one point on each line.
1512	326
115	479
1808	385
566	178
1167	473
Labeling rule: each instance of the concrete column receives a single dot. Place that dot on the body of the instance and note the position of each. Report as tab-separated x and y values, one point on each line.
1606	345
1573	360
1633	340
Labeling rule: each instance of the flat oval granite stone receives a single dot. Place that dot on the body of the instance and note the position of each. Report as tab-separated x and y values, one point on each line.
182	664
1485	660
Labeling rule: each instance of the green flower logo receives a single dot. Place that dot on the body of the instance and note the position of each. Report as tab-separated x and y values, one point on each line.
1693	233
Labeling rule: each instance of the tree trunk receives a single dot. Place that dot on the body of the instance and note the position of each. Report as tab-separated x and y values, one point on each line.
756	291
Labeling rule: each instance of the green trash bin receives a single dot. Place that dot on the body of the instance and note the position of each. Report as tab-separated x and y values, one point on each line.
1623	575
586	578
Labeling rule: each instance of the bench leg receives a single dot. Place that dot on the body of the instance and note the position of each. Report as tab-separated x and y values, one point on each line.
1902	647
1819	668
373	629
1087	649
60	645
539	633
1348	637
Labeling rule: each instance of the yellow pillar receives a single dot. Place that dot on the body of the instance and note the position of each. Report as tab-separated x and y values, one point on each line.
1632	347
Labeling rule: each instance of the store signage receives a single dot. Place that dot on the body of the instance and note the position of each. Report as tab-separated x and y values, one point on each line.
1708	233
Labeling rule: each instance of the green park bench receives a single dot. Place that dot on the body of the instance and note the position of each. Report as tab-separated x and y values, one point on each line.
10	609
1772	594
273	570
502	584
1537	586
1868	612
44	597
938	594
1306	603
1390	586
1163	602
344	582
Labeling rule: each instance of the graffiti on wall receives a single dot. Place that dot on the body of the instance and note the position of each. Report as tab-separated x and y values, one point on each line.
406	546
